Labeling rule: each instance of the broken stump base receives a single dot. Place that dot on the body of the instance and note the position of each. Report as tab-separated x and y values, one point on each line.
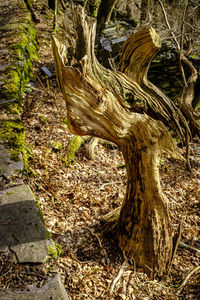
110	220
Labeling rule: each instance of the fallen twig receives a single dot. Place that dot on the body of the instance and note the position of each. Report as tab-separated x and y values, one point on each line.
168	25
188	247
2	275
100	244
33	274
108	183
179	289
123	266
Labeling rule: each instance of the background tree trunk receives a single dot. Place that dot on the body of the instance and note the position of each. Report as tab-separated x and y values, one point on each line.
95	106
188	96
33	12
104	13
52	4
144	8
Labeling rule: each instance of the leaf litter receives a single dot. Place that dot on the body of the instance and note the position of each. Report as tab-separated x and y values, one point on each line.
74	199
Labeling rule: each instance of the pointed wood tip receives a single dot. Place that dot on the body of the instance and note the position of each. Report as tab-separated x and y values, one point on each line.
155	37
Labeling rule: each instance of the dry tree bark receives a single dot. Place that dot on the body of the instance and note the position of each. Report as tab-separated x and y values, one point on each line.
134	62
95	99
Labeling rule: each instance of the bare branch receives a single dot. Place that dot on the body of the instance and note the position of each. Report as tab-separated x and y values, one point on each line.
186	279
117	278
168	25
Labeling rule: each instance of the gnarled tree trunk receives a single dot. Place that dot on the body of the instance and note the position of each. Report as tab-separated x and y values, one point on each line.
95	104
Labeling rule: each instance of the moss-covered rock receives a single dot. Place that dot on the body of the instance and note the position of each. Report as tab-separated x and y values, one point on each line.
57	146
74	145
24	50
21	42
12	134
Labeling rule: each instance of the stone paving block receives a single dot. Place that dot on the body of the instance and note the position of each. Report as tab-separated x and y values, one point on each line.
5	101
47	72
52	290
8	166
22	231
3	68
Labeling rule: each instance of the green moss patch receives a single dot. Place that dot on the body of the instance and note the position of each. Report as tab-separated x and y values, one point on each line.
24	52
54	251
74	145
57	146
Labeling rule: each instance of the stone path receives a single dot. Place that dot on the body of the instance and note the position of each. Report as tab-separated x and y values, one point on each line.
22	231
8	166
53	290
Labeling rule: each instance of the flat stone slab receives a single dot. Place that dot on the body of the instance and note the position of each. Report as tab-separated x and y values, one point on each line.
3	68
52	290
47	72
8	166
4	101
22	232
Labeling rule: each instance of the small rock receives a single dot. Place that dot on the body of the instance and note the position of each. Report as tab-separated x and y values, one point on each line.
119	40
57	146
47	72
3	68
4	101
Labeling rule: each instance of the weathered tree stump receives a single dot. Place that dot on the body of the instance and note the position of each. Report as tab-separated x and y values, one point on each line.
95	99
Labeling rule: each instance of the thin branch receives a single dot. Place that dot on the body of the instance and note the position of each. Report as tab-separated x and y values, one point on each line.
183	25
85	4
188	165
117	278
33	13
100	244
188	247
2	275
179	289
194	28
55	15
168	25
182	43
63	4
176	241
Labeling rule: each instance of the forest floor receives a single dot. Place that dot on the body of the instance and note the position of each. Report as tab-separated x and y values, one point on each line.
74	199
